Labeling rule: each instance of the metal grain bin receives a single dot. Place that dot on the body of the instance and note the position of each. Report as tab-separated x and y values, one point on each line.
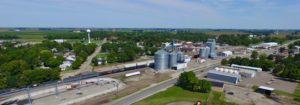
202	52
161	58
207	52
173	59
180	57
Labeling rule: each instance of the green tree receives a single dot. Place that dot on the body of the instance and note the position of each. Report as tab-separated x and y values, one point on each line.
254	55
45	55
52	62
95	61
224	62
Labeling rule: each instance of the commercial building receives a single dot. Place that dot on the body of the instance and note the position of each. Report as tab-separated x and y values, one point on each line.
226	53
225	75
246	67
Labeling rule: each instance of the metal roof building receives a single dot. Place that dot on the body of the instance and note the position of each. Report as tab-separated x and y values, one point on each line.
224	76
246	67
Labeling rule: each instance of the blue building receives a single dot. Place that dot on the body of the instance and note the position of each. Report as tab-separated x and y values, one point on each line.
223	76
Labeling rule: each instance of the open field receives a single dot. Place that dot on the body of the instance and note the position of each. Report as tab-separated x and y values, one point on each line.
225	33
176	94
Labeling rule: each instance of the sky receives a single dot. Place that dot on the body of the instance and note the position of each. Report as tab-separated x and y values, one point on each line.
215	14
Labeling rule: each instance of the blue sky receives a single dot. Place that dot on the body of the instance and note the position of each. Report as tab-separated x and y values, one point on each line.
238	14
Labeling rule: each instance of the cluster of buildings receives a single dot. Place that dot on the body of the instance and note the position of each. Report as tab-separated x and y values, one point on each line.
232	74
170	58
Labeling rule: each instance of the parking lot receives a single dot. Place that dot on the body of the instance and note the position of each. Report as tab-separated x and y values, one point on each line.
267	79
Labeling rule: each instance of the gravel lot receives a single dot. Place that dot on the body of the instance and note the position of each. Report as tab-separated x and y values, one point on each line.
245	96
262	78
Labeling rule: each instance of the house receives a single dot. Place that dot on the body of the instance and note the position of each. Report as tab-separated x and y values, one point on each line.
65	65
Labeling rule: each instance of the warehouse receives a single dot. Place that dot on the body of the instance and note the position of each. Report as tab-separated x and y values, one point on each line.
246	67
247	73
224	75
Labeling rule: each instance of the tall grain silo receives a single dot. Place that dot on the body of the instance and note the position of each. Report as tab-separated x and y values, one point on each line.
173	59
207	51
180	57
161	60
202	52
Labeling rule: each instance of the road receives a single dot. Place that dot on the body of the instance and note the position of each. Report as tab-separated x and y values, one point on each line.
85	66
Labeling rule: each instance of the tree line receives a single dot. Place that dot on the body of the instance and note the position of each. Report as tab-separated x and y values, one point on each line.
121	51
189	81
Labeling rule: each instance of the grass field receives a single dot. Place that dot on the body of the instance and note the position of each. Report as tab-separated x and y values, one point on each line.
177	94
297	93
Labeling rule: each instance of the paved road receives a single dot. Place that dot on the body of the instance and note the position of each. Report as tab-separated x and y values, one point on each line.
86	65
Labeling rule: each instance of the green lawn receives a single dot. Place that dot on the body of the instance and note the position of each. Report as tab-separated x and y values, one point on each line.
297	93
102	55
177	94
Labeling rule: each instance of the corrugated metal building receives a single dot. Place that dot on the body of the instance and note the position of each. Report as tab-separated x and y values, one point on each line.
246	67
224	76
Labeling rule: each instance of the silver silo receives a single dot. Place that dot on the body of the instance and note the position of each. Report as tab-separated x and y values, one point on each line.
173	59
161	59
202	52
180	57
207	51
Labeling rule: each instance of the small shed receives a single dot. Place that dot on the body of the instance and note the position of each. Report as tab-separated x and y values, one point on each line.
265	90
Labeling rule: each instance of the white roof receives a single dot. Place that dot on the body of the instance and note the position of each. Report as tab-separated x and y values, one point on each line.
130	65
132	74
266	88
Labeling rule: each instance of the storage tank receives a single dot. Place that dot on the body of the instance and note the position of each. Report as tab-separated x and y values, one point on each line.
202	52
207	52
180	57
161	58
173	59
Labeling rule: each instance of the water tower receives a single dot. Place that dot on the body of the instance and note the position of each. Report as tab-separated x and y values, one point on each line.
89	31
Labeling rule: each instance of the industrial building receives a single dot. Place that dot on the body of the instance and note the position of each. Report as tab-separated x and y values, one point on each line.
246	67
208	50
247	73
222	74
266	45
